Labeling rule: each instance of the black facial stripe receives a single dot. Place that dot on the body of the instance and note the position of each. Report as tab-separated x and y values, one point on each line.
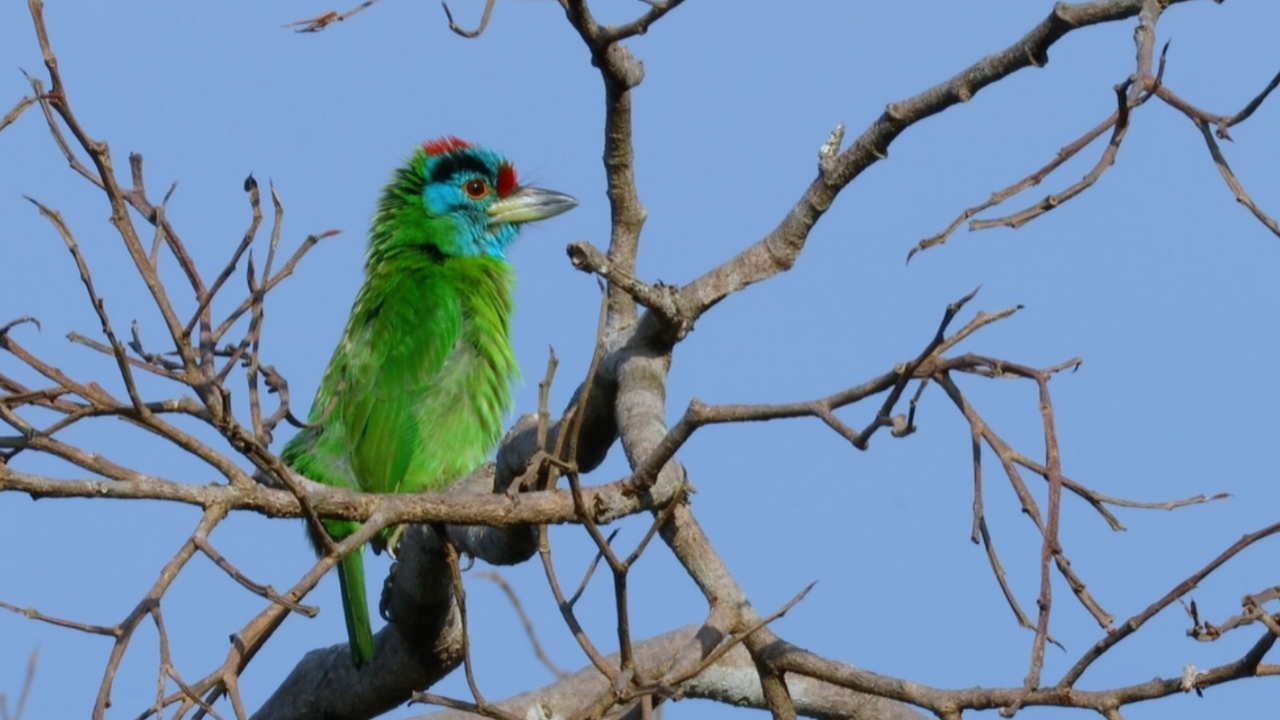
446	167
433	253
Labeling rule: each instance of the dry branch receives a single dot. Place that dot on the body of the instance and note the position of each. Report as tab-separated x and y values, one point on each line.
500	513
28	680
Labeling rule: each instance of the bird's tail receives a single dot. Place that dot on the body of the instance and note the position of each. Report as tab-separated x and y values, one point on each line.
355	607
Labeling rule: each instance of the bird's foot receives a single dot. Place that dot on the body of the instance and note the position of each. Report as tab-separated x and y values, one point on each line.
384	603
393	541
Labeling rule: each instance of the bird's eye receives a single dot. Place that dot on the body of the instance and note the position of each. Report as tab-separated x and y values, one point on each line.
476	188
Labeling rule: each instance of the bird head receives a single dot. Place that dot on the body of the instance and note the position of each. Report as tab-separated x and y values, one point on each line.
456	199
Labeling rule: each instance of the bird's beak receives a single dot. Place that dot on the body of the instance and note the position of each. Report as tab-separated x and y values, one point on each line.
528	204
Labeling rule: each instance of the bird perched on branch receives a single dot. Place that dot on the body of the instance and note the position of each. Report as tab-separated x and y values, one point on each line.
415	393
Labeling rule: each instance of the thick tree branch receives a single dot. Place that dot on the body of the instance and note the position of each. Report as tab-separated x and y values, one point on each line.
732	679
606	502
779	250
499	513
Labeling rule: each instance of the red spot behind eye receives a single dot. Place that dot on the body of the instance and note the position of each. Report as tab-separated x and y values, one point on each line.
506	180
444	145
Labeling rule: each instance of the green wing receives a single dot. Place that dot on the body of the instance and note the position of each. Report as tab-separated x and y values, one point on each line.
403	330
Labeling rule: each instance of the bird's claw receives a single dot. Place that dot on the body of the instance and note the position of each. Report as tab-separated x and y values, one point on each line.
393	542
384	603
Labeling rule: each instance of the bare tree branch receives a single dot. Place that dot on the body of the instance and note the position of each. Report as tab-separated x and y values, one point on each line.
500	513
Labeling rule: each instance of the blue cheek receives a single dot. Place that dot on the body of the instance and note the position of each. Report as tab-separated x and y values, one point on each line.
439	199
471	235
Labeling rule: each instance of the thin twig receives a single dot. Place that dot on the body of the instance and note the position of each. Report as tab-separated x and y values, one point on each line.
1237	189
265	591
27	681
1133	624
566	610
484	20
486	708
1106	160
529	629
325	19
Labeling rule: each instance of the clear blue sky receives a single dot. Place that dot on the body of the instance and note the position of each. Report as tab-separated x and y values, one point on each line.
1156	277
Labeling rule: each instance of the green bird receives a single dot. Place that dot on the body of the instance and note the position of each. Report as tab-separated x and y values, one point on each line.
415	393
